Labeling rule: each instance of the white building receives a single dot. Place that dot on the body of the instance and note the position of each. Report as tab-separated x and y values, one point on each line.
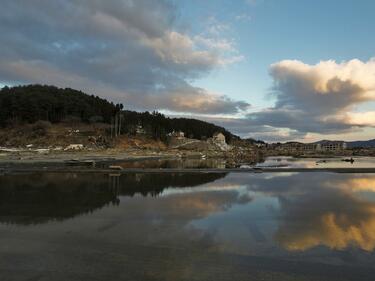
139	130
331	146
177	135
219	138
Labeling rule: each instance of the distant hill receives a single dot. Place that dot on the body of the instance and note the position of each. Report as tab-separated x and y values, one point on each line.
254	141
326	141
31	103
354	144
364	144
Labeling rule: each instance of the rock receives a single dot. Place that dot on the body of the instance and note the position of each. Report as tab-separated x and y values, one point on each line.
113	167
42	150
74	147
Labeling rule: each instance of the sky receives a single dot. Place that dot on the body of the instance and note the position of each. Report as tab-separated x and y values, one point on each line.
276	70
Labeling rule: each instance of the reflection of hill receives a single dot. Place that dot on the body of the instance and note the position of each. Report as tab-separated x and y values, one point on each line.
153	184
42	197
175	164
38	198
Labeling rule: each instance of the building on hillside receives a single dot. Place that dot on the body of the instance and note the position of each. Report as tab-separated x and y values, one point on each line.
260	144
177	135
311	147
292	146
331	146
139	130
219	138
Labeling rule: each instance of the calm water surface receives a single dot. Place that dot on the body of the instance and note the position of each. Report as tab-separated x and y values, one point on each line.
270	162
279	226
290	162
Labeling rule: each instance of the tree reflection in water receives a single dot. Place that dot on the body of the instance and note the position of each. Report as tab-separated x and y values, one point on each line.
42	197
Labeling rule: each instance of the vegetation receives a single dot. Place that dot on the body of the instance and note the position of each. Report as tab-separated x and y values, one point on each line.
254	141
158	126
33	103
36	102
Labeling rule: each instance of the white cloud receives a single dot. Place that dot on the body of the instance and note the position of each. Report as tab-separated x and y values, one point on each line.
243	18
221	44
214	27
312	102
319	98
362	118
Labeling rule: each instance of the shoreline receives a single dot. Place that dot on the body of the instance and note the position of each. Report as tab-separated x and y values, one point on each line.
100	162
14	170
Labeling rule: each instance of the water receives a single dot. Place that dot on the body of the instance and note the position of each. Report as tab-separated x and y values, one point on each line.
290	162
269	162
225	226
175	163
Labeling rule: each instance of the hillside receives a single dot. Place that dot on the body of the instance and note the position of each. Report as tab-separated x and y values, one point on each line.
24	105
356	144
28	104
361	144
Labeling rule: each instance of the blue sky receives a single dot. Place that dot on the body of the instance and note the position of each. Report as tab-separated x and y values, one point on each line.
276	70
274	30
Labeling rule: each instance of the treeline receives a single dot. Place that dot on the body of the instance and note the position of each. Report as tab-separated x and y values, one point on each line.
36	102
31	103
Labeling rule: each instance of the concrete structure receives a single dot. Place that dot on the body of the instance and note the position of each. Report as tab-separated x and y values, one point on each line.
260	144
177	135
74	147
298	146
219	138
331	146
324	146
177	139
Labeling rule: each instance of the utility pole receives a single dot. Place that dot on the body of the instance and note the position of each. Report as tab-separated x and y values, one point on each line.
116	125
111	127
119	127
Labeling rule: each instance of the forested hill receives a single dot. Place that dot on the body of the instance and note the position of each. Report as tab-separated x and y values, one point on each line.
35	102
158	125
28	104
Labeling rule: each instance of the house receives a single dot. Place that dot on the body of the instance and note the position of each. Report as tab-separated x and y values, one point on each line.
139	130
260	144
219	138
177	135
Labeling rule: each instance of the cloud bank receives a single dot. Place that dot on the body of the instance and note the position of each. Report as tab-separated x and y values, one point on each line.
320	98
125	50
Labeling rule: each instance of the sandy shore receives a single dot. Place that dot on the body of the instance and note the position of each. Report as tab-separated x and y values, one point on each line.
32	158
